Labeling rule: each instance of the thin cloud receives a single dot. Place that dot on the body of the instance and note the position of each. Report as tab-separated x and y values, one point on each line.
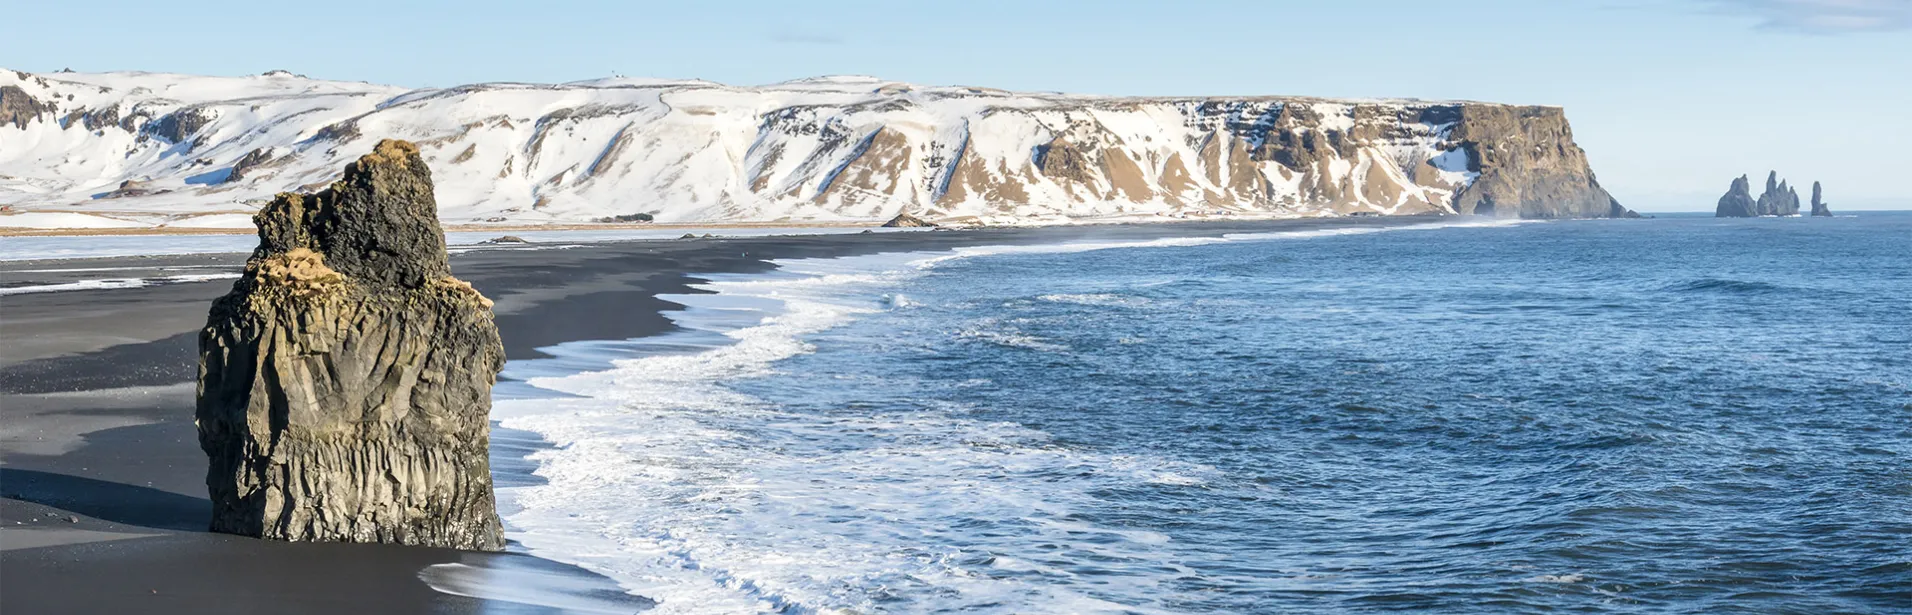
1823	16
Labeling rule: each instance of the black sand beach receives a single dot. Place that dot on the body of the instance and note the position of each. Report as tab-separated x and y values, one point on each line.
104	504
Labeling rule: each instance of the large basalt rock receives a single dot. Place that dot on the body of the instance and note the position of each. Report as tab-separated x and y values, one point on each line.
345	381
1819	207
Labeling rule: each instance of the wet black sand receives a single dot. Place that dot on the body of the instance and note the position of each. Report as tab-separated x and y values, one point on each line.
102	493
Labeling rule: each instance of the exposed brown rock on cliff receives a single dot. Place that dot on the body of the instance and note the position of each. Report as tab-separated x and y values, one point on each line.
1379	186
1175	180
1093	171
611	153
1529	165
973	178
1062	160
875	170
905	220
179	125
17	108
1125	177
258	158
346	380
132	188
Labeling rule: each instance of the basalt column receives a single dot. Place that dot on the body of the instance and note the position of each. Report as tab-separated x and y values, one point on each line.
344	383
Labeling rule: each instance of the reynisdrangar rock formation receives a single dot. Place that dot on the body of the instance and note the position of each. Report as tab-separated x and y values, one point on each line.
1819	207
1779	199
346	380
1738	200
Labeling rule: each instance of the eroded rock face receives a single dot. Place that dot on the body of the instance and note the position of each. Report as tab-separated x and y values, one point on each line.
17	108
256	159
1779	199
1529	166
1738	200
905	220
345	381
179	126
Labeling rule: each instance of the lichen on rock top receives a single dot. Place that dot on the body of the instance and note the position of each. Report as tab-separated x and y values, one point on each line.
345	382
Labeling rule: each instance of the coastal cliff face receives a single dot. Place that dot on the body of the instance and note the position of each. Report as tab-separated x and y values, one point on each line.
1779	199
345	382
1529	166
829	149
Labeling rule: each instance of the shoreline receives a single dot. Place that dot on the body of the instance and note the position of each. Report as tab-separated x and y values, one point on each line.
729	303
20	231
114	450
15	231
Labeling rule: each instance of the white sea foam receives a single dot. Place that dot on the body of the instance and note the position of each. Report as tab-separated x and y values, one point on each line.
669	479
1062	248
1364	230
995	331
1100	299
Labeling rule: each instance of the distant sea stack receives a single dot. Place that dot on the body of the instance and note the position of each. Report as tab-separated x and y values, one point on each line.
839	148
1818	203
345	382
1779	199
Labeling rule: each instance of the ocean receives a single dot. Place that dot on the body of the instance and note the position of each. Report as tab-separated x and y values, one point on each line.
1680	414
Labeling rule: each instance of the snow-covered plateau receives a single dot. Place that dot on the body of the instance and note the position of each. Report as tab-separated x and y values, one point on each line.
130	150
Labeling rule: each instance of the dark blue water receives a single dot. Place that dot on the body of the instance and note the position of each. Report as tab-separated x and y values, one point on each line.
1673	415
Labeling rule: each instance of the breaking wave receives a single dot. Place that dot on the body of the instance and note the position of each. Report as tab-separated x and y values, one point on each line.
676	474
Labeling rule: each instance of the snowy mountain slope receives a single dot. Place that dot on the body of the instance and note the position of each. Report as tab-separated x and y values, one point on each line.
178	150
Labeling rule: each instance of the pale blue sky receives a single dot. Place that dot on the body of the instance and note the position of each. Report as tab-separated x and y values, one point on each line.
1672	98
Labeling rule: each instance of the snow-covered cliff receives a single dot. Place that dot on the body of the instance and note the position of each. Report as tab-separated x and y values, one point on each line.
145	149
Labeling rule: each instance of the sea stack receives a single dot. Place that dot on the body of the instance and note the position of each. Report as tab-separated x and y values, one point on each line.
345	382
1779	199
1738	201
1819	208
